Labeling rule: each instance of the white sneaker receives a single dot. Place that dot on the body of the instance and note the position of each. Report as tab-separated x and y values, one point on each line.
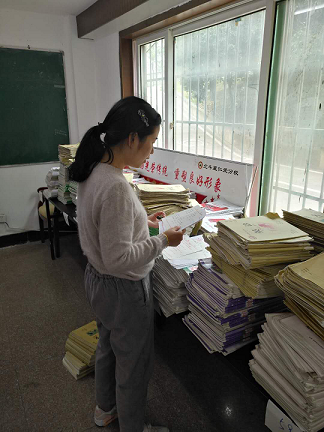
150	428
103	418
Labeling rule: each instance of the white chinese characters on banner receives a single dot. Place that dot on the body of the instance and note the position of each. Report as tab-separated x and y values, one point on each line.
214	178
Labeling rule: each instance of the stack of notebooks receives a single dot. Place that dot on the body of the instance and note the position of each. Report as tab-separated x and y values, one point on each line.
261	241
289	364
255	283
73	189
167	198
310	221
221	317
303	285
80	348
52	182
171	272
66	155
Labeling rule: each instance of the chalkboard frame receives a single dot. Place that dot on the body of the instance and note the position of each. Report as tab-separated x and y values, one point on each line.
41	144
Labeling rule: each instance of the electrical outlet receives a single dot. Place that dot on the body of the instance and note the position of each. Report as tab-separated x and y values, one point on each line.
3	218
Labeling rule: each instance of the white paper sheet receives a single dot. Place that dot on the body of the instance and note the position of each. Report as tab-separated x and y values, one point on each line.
182	219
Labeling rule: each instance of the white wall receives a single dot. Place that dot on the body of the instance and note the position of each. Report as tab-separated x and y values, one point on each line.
107	50
18	197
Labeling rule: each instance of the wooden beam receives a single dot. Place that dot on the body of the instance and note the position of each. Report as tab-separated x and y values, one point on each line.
102	12
180	13
126	67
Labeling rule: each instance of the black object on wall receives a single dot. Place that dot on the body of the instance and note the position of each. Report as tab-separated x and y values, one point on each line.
33	108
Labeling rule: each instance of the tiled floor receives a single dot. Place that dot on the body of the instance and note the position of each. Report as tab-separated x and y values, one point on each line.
43	300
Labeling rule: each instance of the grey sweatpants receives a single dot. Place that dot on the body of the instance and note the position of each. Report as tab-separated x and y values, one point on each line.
124	357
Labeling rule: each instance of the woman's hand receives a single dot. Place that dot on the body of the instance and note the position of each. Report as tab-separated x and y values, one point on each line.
153	222
174	235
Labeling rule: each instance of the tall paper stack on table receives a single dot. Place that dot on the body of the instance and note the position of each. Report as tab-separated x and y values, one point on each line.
303	285
261	241
170	273
66	155
167	198
80	348
289	364
221	317
255	283
310	221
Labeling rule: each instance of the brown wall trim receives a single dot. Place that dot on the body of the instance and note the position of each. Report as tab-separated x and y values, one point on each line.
102	12
175	15
126	67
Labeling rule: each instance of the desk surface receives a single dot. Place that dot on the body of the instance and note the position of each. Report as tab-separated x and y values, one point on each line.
69	209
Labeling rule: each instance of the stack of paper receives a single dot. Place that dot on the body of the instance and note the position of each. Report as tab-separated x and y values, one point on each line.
170	273
221	317
73	189
67	153
256	283
289	364
303	285
260	241
52	181
81	347
167	198
310	221
223	207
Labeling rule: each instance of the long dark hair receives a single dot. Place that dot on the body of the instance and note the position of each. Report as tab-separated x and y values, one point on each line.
129	115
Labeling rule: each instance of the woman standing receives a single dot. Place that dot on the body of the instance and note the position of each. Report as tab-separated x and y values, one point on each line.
114	235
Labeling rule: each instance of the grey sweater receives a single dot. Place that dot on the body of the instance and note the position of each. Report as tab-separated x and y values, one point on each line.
113	226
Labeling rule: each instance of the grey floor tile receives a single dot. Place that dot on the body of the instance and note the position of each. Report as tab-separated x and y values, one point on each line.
43	334
53	399
12	417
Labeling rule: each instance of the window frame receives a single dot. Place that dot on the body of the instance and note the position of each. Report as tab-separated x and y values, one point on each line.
223	14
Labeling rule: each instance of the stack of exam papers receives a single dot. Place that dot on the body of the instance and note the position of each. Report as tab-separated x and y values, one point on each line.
67	153
170	273
217	211
303	285
221	317
256	283
260	241
73	189
310	221
289	364
81	347
167	198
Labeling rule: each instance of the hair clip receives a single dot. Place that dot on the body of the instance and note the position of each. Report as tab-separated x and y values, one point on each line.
144	119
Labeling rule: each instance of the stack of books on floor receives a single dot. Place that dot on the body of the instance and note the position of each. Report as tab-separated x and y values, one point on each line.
73	189
221	317
289	364
168	198
261	241
171	272
66	156
303	285
310	221
80	348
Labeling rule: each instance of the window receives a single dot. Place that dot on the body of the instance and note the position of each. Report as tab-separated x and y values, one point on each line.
213	73
152	87
294	173
216	81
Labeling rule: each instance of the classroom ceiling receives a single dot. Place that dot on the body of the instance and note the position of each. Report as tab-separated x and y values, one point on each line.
56	7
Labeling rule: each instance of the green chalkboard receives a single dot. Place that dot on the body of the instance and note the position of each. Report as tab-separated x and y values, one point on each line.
33	111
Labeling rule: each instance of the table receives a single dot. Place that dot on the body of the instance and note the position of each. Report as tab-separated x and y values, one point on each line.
54	236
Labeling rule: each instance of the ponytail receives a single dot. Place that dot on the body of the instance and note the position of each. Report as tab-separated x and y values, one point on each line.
90	152
129	115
